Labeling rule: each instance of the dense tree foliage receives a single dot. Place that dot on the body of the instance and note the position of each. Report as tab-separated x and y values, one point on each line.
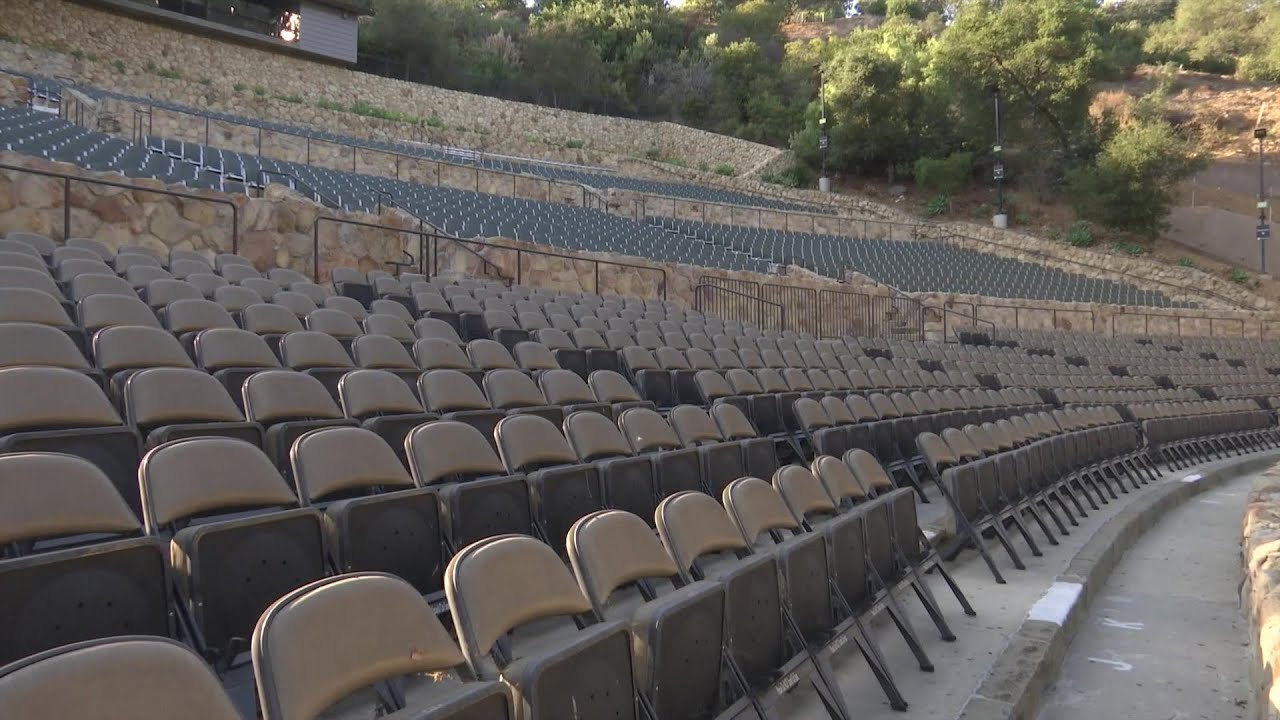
911	95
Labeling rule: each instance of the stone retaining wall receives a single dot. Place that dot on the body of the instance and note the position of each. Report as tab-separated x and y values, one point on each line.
277	231
102	38
1260	593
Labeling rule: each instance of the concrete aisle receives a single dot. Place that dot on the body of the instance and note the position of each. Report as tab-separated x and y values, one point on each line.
1166	639
961	665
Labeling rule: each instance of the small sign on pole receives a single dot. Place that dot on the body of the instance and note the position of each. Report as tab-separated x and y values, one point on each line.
824	142
1264	231
998	171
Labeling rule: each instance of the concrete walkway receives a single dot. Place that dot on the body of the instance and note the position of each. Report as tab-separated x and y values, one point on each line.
962	665
1166	639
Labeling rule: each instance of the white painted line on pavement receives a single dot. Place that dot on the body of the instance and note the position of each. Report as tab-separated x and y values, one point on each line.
1193	478
1056	602
1119	625
1119	665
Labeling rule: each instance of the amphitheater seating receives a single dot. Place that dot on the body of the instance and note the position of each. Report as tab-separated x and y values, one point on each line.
910	265
277	474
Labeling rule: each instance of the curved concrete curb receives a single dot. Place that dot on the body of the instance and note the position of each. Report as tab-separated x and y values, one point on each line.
1016	684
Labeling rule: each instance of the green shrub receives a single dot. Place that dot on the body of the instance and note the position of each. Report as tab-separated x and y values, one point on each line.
295	99
793	177
1131	249
119	66
937	205
574	144
259	91
433	122
1238	276
77	54
364	109
946	176
726	169
150	66
1078	235
675	161
206	81
168	73
1132	183
653	154
1186	262
324	104
238	87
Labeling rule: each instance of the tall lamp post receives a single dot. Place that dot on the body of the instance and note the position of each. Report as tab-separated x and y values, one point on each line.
1001	220
1264	228
824	141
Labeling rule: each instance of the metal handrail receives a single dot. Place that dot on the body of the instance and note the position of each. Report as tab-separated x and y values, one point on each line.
67	179
297	183
424	237
697	300
394	201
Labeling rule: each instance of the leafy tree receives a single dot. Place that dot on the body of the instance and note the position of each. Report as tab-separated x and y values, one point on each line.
1209	35
881	113
1132	184
1042	54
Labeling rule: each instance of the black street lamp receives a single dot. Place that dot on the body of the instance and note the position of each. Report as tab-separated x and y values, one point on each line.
1264	229
997	170
824	141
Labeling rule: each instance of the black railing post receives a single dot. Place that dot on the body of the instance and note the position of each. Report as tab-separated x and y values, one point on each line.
66	208
315	252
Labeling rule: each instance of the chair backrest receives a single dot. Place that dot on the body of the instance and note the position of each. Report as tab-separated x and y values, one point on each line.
310	349
350	306
279	395
333	322
384	626
510	389
565	387
610	548
389	326
647	431
194	476
219	348
450	391
802	491
694	426
126	347
156	396
183	316
369	393
594	437
27	305
612	387
732	423
498	584
838	478
235	298
436	328
336	459
490	355
438	353
381	351
756	508
51	495
529	442
936	452
270	319
532	355
85	679
692	524
445	449
23	343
